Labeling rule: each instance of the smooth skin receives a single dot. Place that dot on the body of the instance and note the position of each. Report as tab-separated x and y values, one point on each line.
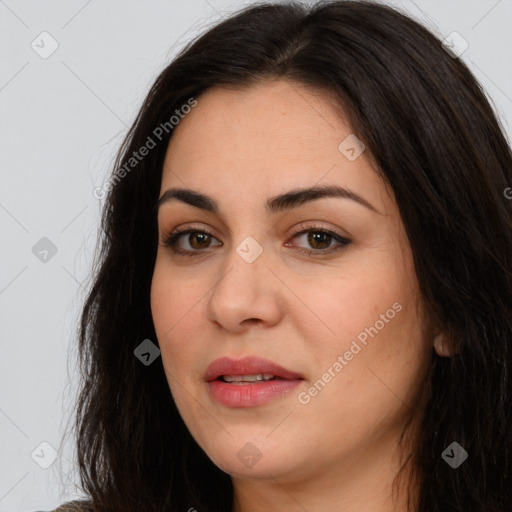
338	451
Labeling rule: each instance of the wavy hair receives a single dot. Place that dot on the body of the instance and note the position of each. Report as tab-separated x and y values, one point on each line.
439	145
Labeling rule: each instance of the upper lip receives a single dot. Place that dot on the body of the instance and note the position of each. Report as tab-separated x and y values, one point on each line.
247	366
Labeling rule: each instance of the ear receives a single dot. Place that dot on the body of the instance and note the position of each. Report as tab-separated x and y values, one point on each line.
441	345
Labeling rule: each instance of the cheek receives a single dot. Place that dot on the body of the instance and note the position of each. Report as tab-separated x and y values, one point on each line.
178	333
174	298
377	356
370	320
337	310
174	308
371	389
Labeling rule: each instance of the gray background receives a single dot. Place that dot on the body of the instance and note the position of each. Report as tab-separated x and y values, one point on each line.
61	120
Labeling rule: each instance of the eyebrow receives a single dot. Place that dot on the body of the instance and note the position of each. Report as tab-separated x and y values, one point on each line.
279	203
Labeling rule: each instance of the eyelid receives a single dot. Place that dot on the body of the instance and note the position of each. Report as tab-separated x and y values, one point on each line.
303	227
314	226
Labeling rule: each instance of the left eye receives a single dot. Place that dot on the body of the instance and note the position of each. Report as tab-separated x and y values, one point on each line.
319	239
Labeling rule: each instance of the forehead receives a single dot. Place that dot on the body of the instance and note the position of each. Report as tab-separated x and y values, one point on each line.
264	139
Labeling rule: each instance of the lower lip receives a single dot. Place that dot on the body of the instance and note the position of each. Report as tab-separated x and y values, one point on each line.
250	395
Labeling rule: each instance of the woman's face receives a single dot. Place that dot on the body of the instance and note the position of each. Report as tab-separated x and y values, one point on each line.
342	318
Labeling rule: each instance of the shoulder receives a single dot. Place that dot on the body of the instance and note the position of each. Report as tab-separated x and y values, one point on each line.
75	506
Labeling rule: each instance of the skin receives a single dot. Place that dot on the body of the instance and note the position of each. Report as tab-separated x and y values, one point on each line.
339	451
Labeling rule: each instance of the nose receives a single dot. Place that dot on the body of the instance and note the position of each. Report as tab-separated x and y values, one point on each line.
247	293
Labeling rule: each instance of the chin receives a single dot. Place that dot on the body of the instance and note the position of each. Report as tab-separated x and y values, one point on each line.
264	468
251	457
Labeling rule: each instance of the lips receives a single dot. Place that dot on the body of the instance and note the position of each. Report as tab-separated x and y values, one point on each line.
226	366
249	382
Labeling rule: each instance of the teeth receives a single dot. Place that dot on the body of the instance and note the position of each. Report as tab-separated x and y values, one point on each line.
247	378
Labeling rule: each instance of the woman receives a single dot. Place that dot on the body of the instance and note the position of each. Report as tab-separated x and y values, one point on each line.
303	295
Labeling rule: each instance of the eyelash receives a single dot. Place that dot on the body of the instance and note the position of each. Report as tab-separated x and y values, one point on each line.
171	241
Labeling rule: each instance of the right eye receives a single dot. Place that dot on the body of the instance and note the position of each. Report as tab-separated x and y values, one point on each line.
201	236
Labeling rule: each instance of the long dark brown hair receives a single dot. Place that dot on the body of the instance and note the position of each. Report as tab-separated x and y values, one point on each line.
439	145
